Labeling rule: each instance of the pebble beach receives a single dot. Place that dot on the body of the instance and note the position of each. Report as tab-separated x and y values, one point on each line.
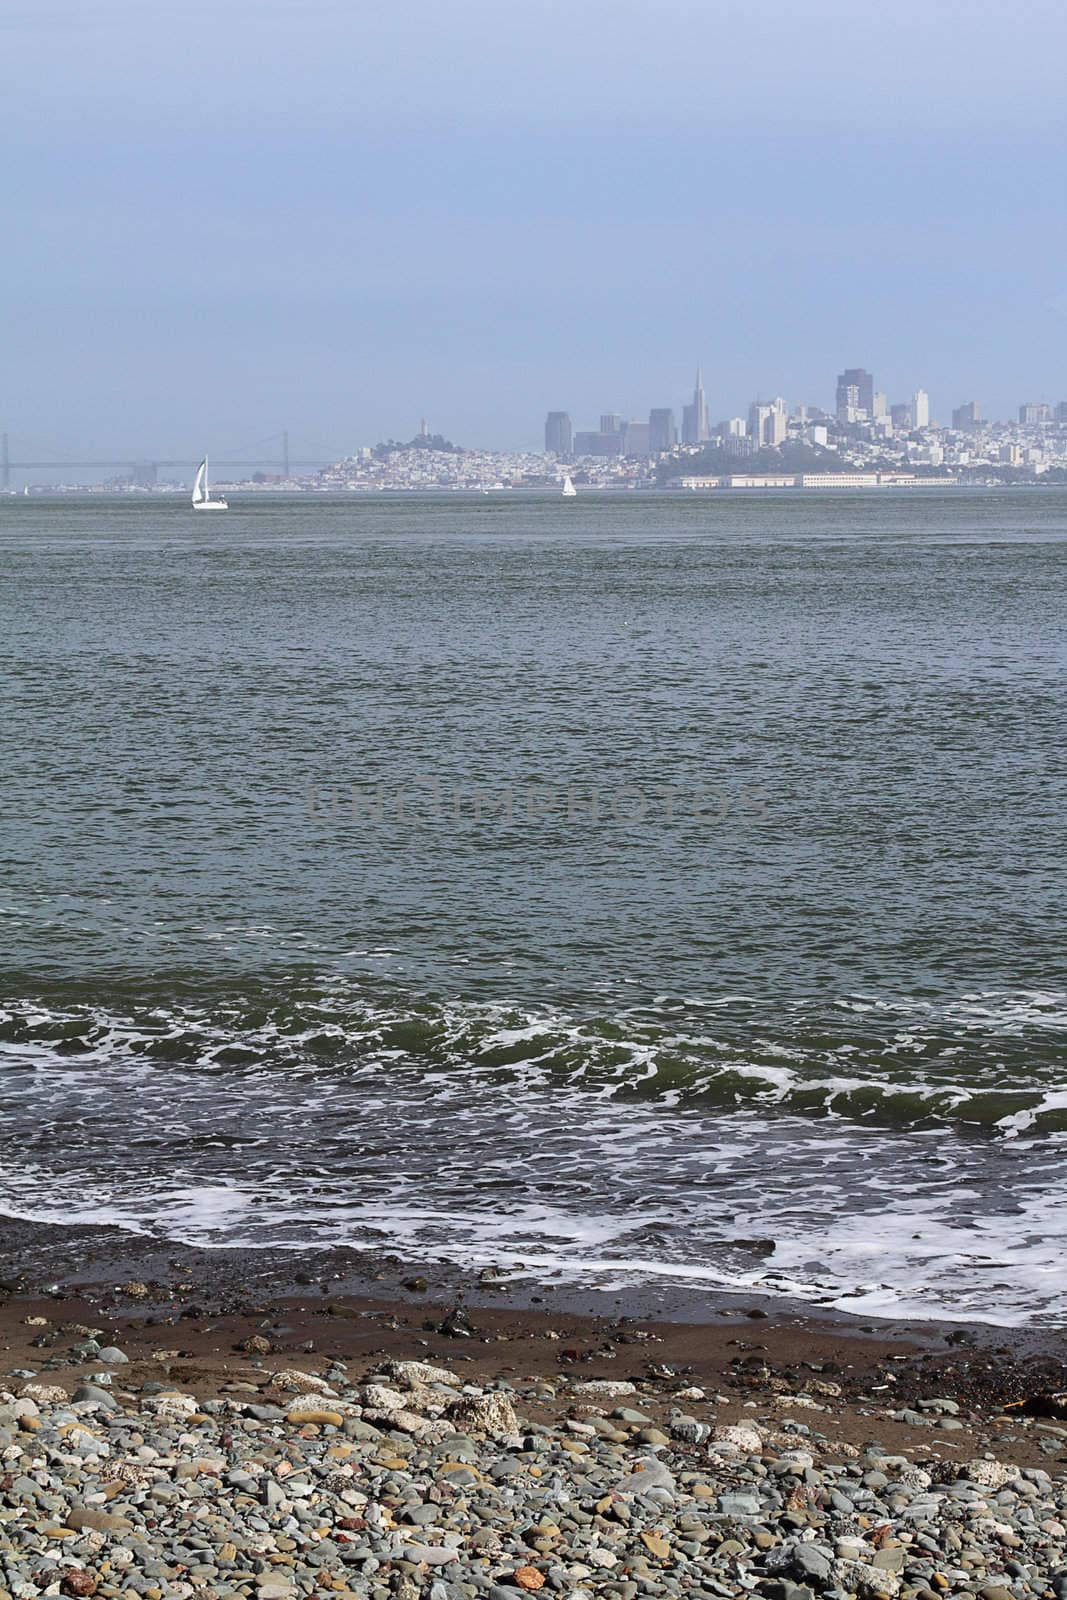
177	1451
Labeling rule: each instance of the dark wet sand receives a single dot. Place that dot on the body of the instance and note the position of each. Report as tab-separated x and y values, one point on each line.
202	1305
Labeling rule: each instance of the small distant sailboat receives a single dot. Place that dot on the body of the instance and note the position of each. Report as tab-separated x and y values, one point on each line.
202	500
568	491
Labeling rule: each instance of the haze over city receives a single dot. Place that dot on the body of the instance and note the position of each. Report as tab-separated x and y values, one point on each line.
223	221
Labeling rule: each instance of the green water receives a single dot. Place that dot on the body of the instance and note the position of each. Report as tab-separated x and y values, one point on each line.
602	882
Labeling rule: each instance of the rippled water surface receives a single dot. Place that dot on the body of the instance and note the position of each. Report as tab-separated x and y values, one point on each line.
640	888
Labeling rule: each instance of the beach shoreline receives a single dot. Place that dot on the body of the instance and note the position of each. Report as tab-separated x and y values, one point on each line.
96	1258
262	1426
353	1305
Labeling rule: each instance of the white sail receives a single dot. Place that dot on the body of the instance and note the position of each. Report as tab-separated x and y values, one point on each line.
202	500
568	487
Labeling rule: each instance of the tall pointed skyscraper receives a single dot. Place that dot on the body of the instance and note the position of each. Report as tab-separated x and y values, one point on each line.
695	428
701	404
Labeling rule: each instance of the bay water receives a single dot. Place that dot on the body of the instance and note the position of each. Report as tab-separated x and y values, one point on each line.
645	889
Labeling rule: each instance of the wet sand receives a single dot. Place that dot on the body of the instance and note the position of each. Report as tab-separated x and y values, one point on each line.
201	1307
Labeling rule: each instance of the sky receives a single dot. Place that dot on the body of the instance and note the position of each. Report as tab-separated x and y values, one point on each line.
339	216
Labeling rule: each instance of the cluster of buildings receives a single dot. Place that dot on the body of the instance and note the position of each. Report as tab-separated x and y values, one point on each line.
866	436
429	470
864	442
637	439
767	424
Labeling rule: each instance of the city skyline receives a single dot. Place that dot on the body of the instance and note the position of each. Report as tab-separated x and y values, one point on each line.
865	440
454	212
689	422
856	402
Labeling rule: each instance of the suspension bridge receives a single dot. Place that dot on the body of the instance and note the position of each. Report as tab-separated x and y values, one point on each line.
271	455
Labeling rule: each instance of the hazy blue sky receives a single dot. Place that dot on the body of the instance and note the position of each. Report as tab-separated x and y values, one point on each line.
223	219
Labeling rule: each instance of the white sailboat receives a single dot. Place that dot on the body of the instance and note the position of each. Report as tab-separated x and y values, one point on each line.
568	491
202	500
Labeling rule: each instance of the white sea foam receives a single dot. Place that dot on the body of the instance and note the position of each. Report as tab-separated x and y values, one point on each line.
535	1142
1019	1121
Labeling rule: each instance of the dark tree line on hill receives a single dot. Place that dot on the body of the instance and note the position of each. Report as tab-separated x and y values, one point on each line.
713	461
421	441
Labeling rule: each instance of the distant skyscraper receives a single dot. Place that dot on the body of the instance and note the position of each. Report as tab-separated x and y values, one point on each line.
610	422
1061	412
1033	415
598	444
559	437
855	394
966	416
768	422
920	409
700	401
635	439
901	416
695	428
662	432
879	405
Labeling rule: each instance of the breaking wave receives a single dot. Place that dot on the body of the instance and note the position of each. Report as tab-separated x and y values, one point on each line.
872	1156
989	1061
